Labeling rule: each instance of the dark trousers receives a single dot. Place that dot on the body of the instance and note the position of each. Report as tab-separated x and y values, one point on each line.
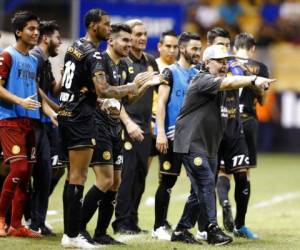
42	174
201	204
134	172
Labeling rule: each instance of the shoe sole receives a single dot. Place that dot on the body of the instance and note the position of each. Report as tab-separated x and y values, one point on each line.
223	243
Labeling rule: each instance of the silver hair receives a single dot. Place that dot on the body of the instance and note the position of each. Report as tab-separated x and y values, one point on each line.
133	22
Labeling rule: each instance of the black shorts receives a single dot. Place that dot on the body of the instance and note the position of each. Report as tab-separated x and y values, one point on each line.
233	154
76	135
170	163
54	148
109	145
250	130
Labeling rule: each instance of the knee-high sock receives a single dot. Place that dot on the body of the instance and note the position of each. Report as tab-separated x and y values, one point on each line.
105	212
162	198
90	204
74	197
65	206
14	191
241	195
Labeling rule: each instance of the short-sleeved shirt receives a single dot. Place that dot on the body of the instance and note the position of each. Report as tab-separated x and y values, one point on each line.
141	110
203	117
116	75
78	96
249	95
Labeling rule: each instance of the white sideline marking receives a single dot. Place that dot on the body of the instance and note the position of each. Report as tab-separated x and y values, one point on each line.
52	212
274	200
277	199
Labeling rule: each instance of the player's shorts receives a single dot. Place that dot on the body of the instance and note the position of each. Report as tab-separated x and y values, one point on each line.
55	141
17	139
109	145
250	130
75	136
170	163
233	154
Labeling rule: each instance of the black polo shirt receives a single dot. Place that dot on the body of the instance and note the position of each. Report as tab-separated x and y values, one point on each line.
45	75
141	111
203	117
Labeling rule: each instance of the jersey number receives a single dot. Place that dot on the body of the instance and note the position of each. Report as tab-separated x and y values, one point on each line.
68	74
240	160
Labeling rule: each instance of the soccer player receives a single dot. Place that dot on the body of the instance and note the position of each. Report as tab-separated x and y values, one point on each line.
198	133
19	109
107	158
83	80
170	98
244	46
168	52
137	138
49	41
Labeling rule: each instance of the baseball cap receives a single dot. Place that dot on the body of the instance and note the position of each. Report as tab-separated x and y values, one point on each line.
216	52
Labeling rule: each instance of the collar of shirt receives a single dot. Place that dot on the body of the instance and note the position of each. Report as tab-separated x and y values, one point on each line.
138	60
41	52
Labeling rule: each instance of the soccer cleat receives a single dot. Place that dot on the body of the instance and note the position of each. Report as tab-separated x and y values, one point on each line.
201	235
3	232
245	232
227	216
161	233
23	232
76	242
106	240
184	236
65	240
215	236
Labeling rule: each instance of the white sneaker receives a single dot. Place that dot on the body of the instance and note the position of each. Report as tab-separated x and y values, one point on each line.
201	235
65	241
76	242
161	233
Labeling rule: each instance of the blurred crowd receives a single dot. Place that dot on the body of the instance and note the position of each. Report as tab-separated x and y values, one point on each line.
269	20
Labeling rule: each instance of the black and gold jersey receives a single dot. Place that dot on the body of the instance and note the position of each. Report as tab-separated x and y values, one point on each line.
249	96
78	97
116	75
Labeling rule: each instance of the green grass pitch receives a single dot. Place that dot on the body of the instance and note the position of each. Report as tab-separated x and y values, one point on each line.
274	211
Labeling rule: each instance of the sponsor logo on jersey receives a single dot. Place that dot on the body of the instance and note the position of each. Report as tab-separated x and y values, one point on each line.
198	161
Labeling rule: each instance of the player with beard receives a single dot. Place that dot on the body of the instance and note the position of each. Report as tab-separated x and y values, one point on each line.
107	158
198	133
49	41
83	80
170	98
19	110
